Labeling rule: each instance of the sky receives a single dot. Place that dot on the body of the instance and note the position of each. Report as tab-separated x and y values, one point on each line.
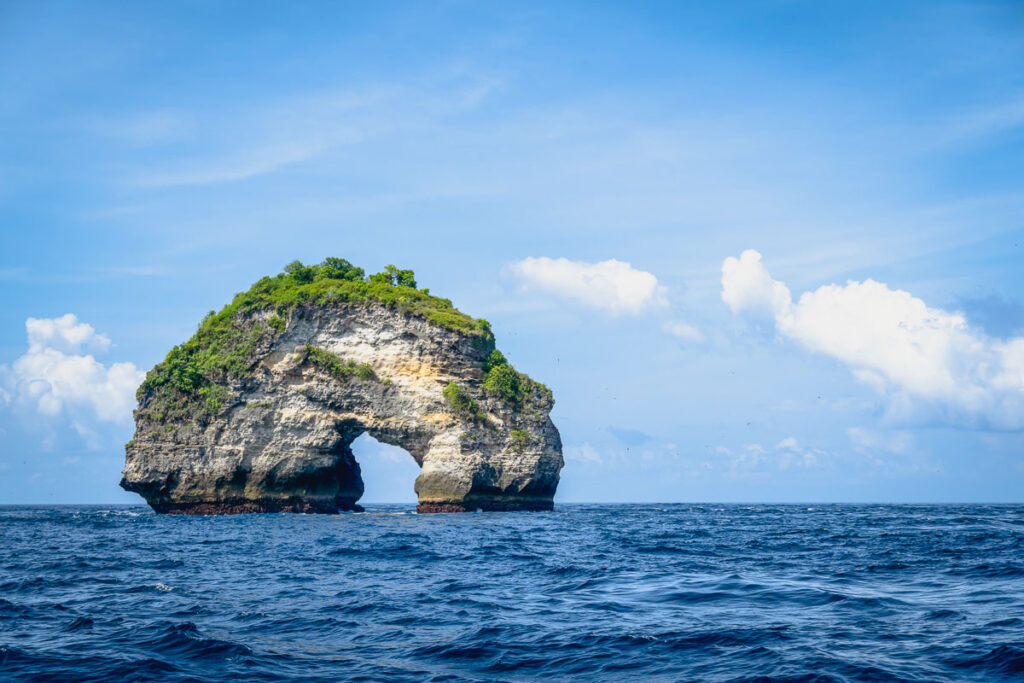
759	251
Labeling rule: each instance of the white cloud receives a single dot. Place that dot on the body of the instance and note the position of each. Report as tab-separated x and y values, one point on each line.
64	334
746	286
684	331
53	378
929	363
612	286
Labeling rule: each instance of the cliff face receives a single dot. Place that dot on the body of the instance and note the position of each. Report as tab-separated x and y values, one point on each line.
268	424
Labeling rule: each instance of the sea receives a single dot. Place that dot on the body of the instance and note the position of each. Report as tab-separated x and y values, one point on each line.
586	592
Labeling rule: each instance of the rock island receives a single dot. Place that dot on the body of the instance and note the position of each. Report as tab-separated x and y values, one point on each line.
258	410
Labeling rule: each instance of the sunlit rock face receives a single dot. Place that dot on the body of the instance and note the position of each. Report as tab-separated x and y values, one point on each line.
277	437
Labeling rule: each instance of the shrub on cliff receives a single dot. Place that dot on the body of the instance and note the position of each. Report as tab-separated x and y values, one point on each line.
494	359
502	381
520	439
461	403
338	368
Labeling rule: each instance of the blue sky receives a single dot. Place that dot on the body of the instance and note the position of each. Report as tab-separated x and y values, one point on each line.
636	195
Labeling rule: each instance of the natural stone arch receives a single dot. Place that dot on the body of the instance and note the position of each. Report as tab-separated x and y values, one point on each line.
282	439
389	472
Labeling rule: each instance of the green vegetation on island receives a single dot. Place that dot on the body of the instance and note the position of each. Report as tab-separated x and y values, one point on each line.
521	438
336	367
514	388
462	404
336	281
501	381
192	381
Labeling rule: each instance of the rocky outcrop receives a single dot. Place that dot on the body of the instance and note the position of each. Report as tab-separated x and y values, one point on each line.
258	412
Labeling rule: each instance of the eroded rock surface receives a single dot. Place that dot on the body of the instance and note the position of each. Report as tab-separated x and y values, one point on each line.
275	432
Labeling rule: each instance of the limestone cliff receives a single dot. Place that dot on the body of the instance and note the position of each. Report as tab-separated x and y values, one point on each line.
257	412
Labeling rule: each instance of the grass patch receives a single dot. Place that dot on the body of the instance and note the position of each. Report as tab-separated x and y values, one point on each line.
277	322
462	404
339	369
214	397
520	439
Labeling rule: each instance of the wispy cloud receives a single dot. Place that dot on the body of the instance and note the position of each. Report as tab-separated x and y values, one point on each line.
683	331
87	274
873	440
984	122
584	453
248	141
630	437
237	165
133	271
12	273
145	129
754	459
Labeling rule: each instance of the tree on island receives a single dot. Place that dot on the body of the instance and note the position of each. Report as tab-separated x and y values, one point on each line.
339	269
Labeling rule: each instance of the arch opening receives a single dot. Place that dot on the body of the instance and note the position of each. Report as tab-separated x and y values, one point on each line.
388	472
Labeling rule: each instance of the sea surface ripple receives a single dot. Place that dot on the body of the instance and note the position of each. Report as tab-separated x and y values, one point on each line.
587	592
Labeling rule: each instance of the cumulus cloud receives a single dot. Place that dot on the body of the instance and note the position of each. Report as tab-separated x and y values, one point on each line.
58	377
746	286
64	334
611	286
929	363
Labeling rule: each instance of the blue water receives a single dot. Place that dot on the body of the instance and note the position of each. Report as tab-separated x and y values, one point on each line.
610	593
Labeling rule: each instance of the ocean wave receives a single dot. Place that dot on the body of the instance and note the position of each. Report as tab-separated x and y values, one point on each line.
1004	659
603	592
